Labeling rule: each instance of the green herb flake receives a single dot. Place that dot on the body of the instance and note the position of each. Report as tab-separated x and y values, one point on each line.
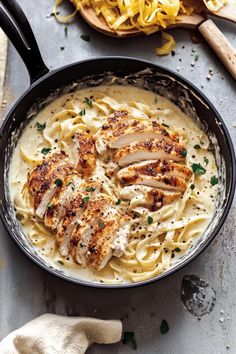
60	262
45	151
164	327
118	202
184	153
165	125
50	205
129	338
196	57
66	31
85	37
88	101
198	169
149	220
214	180
86	199
192	186
40	127
197	147
101	224
206	161
90	189
177	249
69	183
58	182
82	112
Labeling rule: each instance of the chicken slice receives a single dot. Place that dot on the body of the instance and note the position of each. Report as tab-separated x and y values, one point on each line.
65	227
74	211
151	149
46	179
81	234
109	238
85	154
148	197
60	202
126	132
154	168
164	182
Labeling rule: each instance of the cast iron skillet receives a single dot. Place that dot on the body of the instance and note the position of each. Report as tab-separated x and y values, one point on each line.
44	83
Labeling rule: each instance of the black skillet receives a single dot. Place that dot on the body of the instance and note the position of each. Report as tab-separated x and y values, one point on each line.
46	84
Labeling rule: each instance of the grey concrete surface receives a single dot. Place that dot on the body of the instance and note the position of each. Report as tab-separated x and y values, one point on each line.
27	291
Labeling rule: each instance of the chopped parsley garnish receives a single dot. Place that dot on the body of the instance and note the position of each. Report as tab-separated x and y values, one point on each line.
88	101
58	182
165	125
66	31
177	249
69	183
118	202
60	262
206	161
45	151
164	327
184	153
50	205
214	180
90	189
196	57
101	224
40	127
149	220
198	169
85	37
197	147
86	199
82	112
192	186
129	338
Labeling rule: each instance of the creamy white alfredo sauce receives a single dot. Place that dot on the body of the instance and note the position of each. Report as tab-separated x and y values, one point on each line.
153	247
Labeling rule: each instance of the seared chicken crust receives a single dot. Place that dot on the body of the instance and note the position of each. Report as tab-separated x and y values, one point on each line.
85	151
155	168
150	149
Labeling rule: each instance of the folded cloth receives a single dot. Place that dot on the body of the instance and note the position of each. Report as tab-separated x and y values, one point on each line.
52	334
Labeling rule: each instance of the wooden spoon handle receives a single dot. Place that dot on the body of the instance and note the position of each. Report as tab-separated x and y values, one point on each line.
220	44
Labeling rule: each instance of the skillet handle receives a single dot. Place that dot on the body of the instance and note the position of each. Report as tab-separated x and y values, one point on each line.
16	26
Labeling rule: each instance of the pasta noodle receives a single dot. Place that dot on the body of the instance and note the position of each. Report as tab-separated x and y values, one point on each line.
152	248
148	16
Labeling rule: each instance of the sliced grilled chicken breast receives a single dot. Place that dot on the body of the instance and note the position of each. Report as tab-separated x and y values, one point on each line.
46	179
116	118
127	131
65	227
154	168
151	149
107	238
151	198
60	202
164	182
85	153
74	213
81	234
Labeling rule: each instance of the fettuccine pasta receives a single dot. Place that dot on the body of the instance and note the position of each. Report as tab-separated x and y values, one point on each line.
147	16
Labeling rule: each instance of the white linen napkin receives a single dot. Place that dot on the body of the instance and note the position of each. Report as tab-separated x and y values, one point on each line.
52	334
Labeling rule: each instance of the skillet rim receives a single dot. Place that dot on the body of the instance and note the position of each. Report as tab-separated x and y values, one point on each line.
226	208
